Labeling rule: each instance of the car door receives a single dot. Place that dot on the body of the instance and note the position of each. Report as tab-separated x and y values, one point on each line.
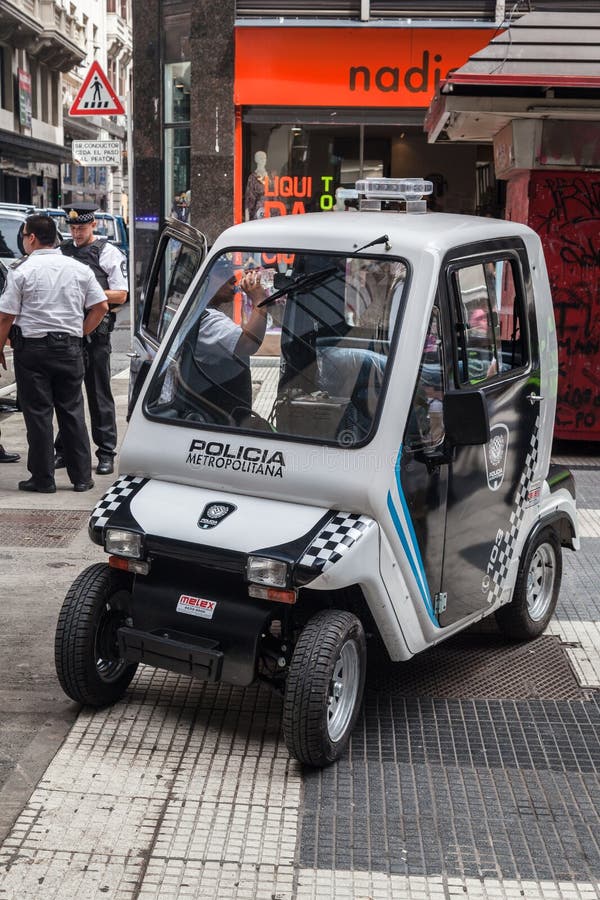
493	348
179	253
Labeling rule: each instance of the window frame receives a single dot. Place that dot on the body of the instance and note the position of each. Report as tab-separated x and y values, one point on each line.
156	339
508	254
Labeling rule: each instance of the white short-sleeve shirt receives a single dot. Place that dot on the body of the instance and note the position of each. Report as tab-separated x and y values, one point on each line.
48	292
114	264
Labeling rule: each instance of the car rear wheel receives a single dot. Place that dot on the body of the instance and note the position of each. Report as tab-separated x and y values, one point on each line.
536	590
324	687
86	651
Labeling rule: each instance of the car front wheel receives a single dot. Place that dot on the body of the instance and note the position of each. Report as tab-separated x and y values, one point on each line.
86	650
324	687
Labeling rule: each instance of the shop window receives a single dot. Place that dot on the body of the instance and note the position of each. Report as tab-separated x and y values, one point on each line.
177	140
293	169
490	336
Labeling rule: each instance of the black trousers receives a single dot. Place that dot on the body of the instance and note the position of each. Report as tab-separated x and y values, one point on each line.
96	354
49	380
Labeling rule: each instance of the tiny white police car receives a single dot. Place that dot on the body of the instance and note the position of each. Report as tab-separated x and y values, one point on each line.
339	439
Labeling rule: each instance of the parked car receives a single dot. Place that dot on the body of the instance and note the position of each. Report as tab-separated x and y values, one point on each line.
25	208
11	223
380	486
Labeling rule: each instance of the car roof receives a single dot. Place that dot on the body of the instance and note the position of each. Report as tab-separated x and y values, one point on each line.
13	214
347	231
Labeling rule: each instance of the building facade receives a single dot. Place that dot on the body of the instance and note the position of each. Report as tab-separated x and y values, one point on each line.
254	108
46	48
249	109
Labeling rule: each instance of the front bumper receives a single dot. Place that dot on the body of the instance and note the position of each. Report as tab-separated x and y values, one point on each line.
214	634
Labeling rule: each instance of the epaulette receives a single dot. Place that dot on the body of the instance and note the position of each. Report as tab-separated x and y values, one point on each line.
18	262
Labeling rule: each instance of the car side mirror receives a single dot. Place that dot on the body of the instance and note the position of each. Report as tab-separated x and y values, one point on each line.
466	419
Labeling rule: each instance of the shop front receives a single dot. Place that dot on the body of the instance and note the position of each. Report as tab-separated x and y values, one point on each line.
328	105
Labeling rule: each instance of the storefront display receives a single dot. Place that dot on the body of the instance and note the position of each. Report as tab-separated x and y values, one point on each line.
320	112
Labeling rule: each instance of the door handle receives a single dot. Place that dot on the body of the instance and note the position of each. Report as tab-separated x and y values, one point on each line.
133	355
533	398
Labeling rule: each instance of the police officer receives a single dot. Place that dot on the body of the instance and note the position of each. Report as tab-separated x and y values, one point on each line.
50	302
109	266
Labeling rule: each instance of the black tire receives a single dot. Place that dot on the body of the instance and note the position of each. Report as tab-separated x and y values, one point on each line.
85	648
536	590
317	719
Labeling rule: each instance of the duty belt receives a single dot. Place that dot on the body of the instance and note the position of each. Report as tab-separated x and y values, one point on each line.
53	339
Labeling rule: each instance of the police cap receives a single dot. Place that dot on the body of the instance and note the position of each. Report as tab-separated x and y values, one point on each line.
80	213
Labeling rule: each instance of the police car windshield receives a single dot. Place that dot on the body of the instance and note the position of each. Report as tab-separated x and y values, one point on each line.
288	342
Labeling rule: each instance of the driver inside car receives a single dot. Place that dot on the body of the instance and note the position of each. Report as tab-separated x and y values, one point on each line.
215	374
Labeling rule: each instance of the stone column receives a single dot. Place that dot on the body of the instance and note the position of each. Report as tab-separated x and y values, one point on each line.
147	130
213	116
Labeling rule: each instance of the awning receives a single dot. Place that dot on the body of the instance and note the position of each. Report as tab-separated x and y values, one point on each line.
545	65
32	150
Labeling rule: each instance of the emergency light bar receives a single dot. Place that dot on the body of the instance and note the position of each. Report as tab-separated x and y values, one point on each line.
371	191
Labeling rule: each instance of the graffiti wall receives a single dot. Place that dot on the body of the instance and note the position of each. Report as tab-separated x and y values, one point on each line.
564	209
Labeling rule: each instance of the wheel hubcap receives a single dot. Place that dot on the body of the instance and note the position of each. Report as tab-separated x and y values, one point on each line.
109	664
540	581
343	690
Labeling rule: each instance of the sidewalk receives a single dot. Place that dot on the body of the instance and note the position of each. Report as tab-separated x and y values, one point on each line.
474	771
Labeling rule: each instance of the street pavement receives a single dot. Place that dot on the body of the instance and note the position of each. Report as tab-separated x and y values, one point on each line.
474	769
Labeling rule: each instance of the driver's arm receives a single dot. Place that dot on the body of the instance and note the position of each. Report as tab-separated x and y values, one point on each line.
254	331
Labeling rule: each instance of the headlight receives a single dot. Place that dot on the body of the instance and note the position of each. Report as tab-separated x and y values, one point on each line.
261	570
123	543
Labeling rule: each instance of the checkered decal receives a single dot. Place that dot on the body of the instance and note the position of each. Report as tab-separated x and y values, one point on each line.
502	563
340	533
123	489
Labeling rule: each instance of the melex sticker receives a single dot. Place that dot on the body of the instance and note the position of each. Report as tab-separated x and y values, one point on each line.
495	456
196	606
533	494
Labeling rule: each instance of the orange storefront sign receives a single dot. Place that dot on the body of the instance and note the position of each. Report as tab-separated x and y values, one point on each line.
348	66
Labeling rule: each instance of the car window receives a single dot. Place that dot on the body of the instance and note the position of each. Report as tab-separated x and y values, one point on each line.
489	313
179	264
328	349
425	424
9	230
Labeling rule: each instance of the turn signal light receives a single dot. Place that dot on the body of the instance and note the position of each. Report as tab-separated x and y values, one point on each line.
137	566
267	593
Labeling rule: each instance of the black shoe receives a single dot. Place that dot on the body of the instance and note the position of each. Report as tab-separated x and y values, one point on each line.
30	485
105	465
59	461
8	457
83	486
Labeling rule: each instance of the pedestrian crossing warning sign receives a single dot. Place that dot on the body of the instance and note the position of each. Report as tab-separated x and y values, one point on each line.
96	96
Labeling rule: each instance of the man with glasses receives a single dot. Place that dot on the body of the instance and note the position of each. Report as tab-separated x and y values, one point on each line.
109	266
50	302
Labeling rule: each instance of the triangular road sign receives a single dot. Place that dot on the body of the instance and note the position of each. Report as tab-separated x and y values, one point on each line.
96	96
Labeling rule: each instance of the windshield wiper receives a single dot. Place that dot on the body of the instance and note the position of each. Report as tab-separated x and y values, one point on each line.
384	239
310	280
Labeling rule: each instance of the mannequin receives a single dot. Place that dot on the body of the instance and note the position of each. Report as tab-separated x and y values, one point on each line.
255	187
